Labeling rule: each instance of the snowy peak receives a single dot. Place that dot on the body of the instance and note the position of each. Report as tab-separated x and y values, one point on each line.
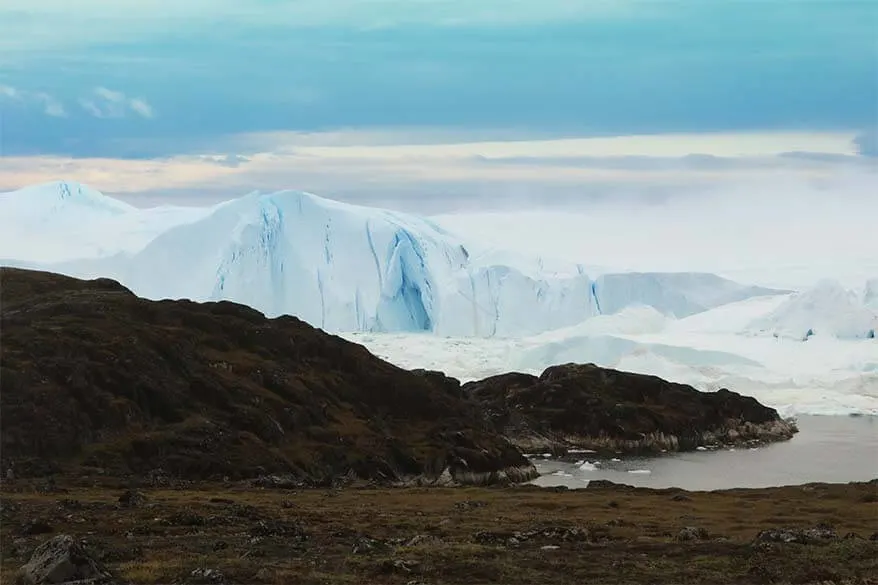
66	196
827	309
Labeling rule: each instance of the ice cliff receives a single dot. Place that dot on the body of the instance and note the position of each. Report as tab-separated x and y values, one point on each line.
340	267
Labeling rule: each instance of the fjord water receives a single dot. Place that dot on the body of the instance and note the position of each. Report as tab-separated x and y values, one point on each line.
834	449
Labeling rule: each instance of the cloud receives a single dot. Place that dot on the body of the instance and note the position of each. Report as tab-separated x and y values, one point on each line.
107	103
48	103
142	108
426	174
231	160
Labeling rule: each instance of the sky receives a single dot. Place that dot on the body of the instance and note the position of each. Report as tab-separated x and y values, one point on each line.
434	104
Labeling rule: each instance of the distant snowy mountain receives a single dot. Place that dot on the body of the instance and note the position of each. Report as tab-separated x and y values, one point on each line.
338	266
67	221
826	309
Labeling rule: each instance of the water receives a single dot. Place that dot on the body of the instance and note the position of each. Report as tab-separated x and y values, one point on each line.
834	449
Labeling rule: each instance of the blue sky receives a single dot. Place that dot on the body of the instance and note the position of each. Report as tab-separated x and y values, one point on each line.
153	79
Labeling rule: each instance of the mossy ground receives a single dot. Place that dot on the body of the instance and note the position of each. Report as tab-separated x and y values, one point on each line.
366	535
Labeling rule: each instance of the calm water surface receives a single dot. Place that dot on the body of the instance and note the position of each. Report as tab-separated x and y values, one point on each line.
826	449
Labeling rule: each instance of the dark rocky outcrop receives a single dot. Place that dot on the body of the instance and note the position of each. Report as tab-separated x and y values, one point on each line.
589	407
95	378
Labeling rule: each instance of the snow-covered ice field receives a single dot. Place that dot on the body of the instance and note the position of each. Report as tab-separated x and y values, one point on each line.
769	294
824	375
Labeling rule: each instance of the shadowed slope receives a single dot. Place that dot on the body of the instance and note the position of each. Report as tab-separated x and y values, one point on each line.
95	376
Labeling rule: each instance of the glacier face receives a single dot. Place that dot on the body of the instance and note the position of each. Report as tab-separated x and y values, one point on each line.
340	267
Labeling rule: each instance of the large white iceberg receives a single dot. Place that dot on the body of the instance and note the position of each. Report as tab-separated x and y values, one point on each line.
338	266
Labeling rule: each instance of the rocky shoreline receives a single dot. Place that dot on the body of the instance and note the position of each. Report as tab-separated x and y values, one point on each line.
732	434
583	406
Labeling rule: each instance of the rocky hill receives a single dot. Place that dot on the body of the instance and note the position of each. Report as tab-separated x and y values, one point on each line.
589	407
97	380
94	377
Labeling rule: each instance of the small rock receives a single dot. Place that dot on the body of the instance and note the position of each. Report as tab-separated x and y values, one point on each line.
490	537
62	560
204	575
692	533
820	533
420	539
220	545
550	547
399	566
365	545
132	499
681	498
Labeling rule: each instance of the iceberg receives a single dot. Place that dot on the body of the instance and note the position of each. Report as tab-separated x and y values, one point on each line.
338	266
827	309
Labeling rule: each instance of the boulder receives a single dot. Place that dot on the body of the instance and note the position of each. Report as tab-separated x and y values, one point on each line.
132	499
63	560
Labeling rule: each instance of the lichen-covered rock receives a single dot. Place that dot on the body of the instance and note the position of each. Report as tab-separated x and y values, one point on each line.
692	533
62	560
816	535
